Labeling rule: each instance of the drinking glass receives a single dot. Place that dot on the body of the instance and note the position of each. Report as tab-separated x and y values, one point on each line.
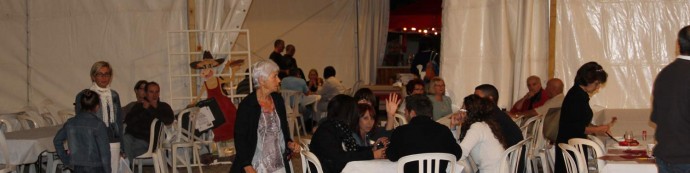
650	149
628	136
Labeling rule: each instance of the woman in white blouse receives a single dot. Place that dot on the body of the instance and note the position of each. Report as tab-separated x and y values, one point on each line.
480	134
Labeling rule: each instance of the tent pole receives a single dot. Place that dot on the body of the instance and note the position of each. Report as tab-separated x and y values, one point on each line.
28	51
552	38
357	78
193	45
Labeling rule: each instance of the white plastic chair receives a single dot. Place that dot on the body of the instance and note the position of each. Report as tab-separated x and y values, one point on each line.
7	125
532	127
30	122
311	158
66	114
399	120
511	157
572	164
598	141
150	153
181	138
5	152
48	120
292	99
580	144
429	159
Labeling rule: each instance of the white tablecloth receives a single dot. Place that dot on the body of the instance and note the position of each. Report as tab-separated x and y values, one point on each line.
379	166
629	166
27	145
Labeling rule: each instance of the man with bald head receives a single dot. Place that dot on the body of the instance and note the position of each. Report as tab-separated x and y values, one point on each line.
554	91
533	99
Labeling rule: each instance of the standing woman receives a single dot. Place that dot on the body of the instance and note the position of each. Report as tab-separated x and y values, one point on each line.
576	114
262	141
110	110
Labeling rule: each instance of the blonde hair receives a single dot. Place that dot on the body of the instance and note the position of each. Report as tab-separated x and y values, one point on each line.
99	65
433	84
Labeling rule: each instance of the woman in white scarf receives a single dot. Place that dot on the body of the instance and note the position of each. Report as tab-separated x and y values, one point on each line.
110	111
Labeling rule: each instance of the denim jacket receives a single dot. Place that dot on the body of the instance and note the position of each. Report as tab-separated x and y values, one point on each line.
80	132
115	127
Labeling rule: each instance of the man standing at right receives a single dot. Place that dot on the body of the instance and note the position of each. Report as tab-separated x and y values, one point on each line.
671	110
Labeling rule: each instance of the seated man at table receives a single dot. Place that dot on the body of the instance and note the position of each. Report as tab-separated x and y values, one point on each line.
510	130
421	135
87	138
136	138
554	90
533	99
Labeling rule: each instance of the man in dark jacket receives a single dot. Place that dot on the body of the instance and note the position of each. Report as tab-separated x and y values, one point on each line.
421	135
136	139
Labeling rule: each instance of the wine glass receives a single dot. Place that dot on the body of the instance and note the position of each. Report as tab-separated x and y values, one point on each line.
628	136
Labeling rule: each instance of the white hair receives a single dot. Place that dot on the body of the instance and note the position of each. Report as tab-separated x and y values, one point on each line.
262	70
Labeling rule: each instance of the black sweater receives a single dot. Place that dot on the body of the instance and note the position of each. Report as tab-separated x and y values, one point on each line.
671	112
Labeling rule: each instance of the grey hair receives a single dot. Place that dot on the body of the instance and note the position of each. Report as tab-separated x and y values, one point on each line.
99	65
261	71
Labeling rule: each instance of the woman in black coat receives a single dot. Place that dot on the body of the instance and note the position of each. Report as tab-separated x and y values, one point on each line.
262	141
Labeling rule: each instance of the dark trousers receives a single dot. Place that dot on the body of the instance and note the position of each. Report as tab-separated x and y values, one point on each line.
88	169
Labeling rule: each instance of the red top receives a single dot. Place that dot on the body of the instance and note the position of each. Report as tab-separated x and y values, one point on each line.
533	102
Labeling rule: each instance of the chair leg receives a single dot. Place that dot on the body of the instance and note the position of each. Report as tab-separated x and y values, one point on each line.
197	158
303	125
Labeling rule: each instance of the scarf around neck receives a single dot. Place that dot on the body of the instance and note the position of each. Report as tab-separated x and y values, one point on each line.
107	109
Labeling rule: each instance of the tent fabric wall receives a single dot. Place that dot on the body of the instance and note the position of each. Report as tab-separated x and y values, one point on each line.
632	40
323	33
67	37
498	42
13	56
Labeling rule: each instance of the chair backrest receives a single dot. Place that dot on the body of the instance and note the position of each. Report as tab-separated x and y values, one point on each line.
572	164
311	159
30	122
511	157
152	136
528	125
46	117
6	125
580	145
598	141
292	99
399	120
428	159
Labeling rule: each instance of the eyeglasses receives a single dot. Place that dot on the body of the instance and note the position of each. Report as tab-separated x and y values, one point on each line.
103	74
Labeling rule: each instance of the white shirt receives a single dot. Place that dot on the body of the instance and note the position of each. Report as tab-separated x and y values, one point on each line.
483	146
554	102
684	57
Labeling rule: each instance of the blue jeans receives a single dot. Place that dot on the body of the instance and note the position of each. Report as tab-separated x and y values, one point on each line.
134	147
665	167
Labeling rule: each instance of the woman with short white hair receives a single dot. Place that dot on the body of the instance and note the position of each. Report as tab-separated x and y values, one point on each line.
262	141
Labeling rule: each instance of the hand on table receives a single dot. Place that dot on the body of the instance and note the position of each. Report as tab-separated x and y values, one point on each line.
380	153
